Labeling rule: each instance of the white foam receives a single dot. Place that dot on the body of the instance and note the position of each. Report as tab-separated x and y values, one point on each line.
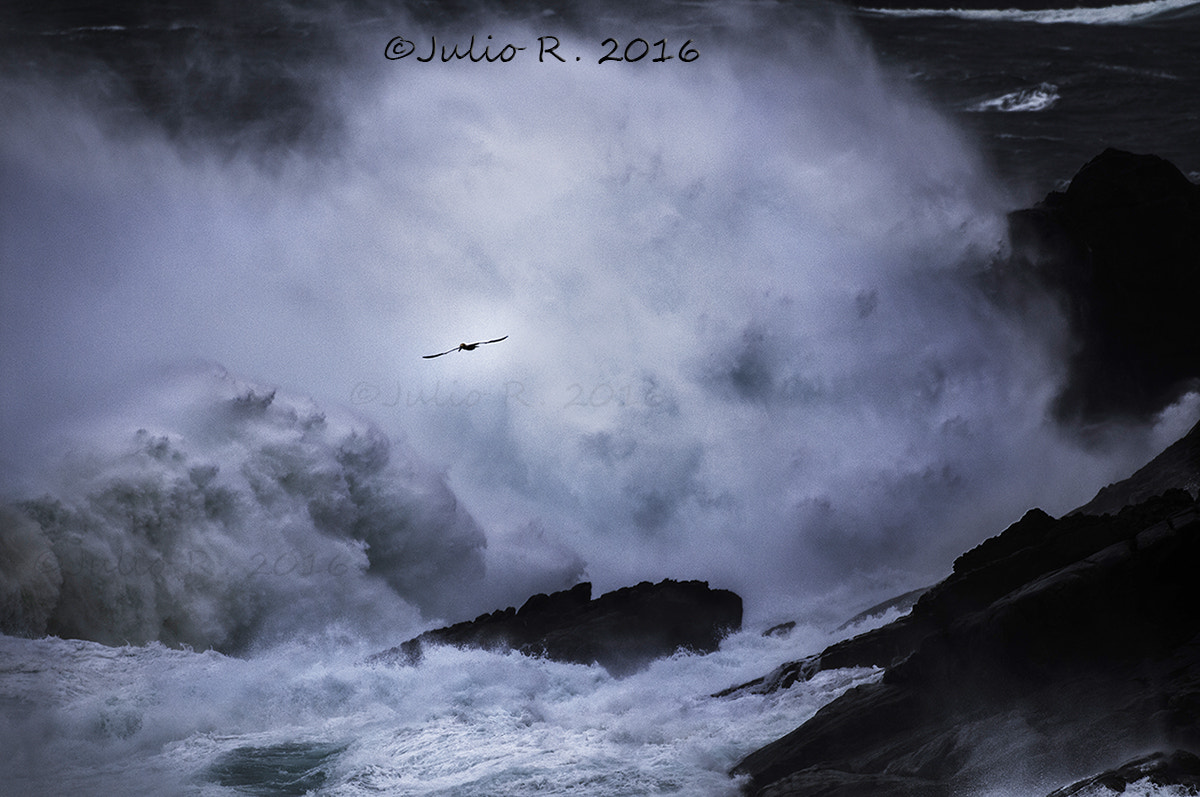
1028	100
1108	15
153	720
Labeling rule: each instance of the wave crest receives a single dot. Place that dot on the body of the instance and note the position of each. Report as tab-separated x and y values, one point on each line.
250	514
1027	100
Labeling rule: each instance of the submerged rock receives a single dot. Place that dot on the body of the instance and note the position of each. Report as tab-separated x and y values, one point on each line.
780	630
623	630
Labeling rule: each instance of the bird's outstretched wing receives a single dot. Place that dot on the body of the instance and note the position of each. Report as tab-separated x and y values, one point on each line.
462	347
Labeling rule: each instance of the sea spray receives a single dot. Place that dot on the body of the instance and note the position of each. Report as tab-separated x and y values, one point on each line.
249	515
747	342
87	718
747	338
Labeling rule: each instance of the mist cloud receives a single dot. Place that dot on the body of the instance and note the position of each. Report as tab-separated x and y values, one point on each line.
746	338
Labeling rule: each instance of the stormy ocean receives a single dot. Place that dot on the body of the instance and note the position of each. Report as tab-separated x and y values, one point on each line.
738	254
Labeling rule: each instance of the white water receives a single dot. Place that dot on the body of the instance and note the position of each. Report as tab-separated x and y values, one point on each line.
81	718
1139	788
1028	100
746	343
1120	14
745	339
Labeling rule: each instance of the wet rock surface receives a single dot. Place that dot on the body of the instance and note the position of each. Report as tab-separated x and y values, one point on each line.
1053	650
1179	768
623	630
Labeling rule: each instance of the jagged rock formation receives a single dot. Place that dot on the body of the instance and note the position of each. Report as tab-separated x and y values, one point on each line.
1177	467
1120	249
1055	648
623	630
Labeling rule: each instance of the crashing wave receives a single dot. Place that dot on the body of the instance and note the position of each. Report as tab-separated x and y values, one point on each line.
1038	98
247	514
1109	15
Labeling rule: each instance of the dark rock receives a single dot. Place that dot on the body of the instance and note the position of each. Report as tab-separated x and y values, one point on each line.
1180	768
1021	552
1025	550
1098	654
872	648
1056	647
1178	467
831	783
783	629
623	630
1120	249
901	603
782	677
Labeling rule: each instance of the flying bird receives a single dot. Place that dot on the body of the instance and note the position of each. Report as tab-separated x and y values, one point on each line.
462	347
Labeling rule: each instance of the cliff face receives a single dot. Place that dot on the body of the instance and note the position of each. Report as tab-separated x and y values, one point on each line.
623	630
1057	649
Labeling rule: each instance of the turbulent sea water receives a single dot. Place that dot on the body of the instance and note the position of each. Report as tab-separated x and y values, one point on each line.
748	341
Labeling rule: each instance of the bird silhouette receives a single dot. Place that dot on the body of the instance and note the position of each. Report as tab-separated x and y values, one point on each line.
462	347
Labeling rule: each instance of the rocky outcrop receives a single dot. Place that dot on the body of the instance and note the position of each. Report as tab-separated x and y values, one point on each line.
901	603
1120	249
1055	648
1159	770
623	630
1178	467
1060	646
